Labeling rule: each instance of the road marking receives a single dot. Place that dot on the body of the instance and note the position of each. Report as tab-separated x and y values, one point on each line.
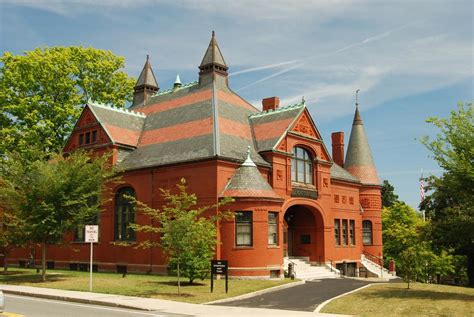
131	310
7	314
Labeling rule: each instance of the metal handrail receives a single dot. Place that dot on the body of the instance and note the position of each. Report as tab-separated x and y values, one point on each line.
375	259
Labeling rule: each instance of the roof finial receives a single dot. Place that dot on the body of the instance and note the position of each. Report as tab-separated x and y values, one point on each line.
213	33
357	97
177	82
248	161
303	101
147	57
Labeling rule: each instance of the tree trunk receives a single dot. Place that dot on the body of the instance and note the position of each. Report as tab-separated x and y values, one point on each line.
470	269
179	284
43	261
5	262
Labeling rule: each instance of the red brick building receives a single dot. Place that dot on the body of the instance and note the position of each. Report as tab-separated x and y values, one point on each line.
292	197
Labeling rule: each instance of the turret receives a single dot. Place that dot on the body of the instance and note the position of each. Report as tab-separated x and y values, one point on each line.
212	64
359	161
146	85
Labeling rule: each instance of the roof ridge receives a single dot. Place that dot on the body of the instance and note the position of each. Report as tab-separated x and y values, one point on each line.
278	110
170	90
122	110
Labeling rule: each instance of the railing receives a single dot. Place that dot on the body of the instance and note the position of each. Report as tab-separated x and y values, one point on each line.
332	266
374	259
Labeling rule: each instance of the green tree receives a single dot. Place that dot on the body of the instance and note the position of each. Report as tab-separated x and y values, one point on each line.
450	206
42	91
388	194
188	237
12	232
53	197
407	240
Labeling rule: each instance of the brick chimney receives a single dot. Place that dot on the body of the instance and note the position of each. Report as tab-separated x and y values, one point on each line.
337	139
270	103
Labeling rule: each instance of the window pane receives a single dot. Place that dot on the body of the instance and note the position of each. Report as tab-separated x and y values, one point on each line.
81	139
94	136
308	173
337	232
367	232
243	228
352	232
300	171
272	228
124	215
88	137
344	232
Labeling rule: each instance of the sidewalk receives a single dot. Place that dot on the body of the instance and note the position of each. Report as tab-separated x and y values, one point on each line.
148	304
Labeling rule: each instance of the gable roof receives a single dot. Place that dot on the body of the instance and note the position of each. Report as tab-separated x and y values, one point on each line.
123	126
270	126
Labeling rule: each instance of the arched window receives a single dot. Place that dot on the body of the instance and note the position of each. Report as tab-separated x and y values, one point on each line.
301	166
124	215
367	232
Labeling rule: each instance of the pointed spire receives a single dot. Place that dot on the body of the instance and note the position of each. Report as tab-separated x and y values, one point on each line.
147	77
359	161
213	61
146	84
357	117
177	82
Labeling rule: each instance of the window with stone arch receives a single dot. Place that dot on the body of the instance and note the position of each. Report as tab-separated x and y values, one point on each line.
124	215
367	232
302	166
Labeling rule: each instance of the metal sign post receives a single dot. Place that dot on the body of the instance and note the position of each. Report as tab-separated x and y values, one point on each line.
220	267
91	235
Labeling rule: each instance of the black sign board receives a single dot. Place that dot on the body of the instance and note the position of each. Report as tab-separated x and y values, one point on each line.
219	267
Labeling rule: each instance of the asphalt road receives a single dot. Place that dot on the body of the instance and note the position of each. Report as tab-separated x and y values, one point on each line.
304	297
19	306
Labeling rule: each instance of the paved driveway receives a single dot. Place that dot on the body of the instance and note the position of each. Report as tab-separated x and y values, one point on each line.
304	297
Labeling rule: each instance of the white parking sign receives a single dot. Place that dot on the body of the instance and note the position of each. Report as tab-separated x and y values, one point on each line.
92	234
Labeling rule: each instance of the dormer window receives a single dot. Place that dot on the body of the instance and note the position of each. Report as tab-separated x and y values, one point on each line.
301	166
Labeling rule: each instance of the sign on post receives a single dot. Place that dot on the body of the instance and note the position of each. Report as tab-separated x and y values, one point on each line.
91	235
220	267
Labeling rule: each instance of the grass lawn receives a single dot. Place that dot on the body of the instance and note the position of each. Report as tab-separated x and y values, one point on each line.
396	300
154	286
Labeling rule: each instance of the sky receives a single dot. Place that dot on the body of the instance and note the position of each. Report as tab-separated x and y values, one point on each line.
410	59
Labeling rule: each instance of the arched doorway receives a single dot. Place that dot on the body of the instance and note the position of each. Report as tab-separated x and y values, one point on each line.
304	233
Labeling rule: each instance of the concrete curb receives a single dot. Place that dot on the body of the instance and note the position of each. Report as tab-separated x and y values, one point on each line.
74	299
321	306
256	293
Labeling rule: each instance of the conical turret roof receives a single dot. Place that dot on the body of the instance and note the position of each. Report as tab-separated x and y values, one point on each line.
147	77
359	161
247	182
213	54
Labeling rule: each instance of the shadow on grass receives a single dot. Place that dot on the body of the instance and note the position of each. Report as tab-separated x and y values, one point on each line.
175	283
22	277
394	292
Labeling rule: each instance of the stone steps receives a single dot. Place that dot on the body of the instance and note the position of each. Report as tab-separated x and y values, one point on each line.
306	271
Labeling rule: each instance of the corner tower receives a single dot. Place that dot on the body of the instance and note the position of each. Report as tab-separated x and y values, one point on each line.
359	162
146	85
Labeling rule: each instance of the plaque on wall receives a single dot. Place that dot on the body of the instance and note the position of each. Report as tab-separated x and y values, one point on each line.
305	193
